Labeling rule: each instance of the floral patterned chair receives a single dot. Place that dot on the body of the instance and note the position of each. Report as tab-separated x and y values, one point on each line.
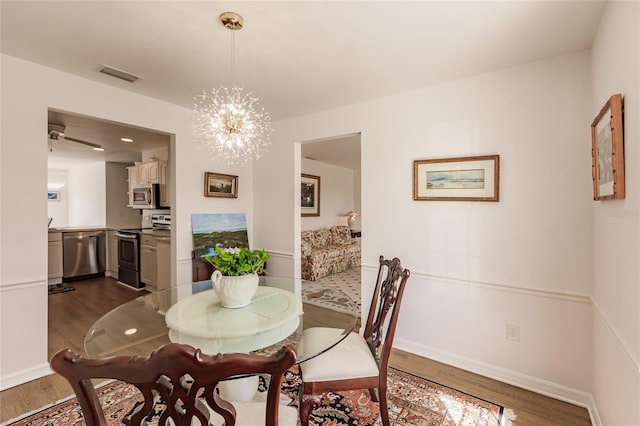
328	251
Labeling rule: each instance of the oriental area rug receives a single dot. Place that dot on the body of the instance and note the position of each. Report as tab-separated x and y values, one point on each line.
318	292
412	401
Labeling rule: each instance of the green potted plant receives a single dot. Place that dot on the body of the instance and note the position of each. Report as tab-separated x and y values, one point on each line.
235	279
233	262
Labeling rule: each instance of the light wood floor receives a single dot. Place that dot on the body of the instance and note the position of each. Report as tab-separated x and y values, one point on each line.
71	314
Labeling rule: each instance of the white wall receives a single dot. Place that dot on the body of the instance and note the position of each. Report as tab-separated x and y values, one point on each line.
59	210
87	195
336	193
357	198
615	227
117	214
475	265
161	153
86	182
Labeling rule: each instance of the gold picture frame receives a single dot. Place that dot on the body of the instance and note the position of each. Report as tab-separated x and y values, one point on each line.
607	151
220	185
457	179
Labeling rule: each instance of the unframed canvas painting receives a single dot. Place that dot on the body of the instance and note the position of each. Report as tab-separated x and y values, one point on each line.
212	230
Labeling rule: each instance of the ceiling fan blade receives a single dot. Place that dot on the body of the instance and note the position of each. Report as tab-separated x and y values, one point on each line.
92	145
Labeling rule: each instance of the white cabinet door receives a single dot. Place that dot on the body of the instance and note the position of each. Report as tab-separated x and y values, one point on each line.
164	263
148	261
112	254
143	174
165	193
55	258
150	172
164	273
154	172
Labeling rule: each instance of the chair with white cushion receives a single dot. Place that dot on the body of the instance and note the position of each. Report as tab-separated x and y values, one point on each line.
185	379
359	361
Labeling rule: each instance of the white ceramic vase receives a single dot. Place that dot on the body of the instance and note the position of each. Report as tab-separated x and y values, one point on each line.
234	292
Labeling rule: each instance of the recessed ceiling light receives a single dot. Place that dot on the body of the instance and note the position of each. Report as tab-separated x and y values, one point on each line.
98	149
126	139
130	331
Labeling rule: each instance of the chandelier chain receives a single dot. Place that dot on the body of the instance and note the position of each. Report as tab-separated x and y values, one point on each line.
233	57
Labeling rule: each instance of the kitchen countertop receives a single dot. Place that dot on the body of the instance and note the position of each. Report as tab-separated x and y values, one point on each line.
77	228
156	232
161	233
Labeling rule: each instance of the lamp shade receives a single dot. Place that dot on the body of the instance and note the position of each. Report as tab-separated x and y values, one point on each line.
351	218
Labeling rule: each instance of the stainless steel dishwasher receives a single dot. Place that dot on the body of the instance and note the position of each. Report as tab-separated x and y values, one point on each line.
83	253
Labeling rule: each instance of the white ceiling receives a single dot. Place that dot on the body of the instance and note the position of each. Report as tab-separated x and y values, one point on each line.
341	151
298	57
66	154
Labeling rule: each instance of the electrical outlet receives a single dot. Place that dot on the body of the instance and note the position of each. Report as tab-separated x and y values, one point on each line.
513	332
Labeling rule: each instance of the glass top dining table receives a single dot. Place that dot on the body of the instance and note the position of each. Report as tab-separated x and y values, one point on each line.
280	313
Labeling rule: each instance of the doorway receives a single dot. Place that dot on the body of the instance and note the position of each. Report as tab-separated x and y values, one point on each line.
88	162
334	164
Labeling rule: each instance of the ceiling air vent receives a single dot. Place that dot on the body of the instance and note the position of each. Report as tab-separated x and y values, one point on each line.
122	75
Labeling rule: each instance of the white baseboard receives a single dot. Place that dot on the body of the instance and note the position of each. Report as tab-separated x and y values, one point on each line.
543	387
24	376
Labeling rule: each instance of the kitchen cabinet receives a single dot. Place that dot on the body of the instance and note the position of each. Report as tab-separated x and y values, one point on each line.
148	261
54	254
165	195
151	171
112	253
164	272
164	263
155	261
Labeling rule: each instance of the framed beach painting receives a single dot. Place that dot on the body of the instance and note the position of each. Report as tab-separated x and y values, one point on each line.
310	195
457	179
607	151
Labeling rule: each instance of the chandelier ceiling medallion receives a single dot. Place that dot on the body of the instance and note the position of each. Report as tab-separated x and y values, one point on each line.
228	121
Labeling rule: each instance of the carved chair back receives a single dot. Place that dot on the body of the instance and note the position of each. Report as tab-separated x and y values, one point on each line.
385	308
179	374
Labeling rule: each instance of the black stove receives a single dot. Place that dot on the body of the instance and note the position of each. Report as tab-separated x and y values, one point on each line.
129	257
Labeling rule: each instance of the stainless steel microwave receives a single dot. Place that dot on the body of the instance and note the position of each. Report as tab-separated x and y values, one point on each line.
146	197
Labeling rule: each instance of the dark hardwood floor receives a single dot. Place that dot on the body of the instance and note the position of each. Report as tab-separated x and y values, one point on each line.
71	314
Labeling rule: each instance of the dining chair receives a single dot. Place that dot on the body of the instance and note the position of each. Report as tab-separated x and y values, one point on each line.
185	379
358	361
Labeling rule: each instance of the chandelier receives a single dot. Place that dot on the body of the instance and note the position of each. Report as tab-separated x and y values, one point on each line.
228	121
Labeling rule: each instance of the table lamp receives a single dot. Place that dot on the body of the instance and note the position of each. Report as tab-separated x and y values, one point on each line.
351	218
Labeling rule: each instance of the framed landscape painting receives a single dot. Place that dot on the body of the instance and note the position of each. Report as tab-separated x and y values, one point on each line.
607	151
220	185
457	179
310	195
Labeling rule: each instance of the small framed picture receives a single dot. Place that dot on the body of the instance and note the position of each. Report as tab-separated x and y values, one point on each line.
607	151
457	179
53	195
310	195
220	185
